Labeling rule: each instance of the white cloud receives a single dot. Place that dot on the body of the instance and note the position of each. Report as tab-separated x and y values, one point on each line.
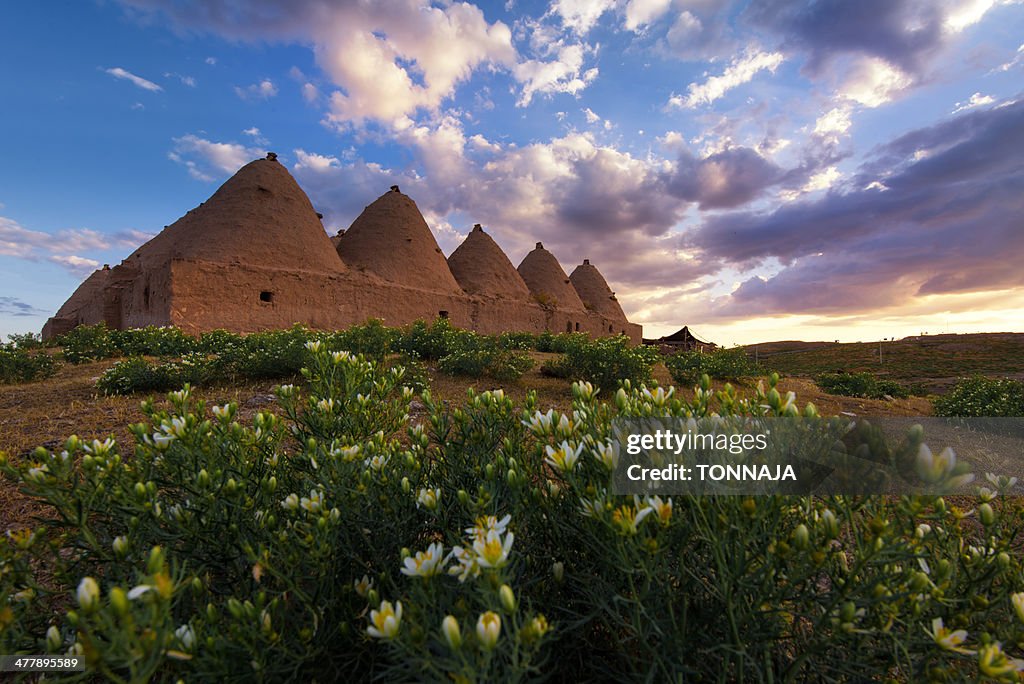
581	15
1013	62
872	82
560	75
256	135
315	162
395	57
591	116
640	13
211	60
310	93
34	245
263	90
118	72
977	100
740	71
207	160
185	80
833	123
77	265
966	14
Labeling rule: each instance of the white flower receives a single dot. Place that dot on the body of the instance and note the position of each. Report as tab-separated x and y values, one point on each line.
466	564
564	458
88	594
428	498
488	629
314	346
662	508
540	423
314	503
186	636
591	508
939	469
492	551
363	586
222	412
291	502
385	622
377	462
37	474
488	523
425	563
120	545
608	454
946	639
325	405
138	591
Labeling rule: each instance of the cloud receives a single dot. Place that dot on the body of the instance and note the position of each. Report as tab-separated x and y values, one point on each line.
976	100
741	70
256	135
943	225
725	179
185	80
118	72
211	60
640	13
77	265
581	15
207	160
264	90
871	82
33	245
392	59
310	93
591	116
12	306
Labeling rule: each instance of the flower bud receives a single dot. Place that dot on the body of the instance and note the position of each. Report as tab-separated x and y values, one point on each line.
558	571
120	545
801	537
508	598
986	514
53	639
156	560
88	594
119	601
488	629
452	633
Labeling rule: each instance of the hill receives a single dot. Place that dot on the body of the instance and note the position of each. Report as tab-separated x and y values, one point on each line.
931	362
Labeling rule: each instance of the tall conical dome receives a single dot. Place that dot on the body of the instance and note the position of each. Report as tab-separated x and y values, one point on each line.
259	217
544	276
90	288
481	268
391	239
594	291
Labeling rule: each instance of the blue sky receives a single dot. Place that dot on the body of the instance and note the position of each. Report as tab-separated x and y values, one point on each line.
757	170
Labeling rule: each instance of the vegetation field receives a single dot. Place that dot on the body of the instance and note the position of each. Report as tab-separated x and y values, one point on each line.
931	362
442	509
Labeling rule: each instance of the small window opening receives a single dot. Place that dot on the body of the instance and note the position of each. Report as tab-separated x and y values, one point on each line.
442	314
577	327
611	328
266	296
145	298
568	326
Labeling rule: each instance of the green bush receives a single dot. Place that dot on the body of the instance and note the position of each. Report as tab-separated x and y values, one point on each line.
428	342
718	364
136	374
521	341
87	343
860	385
483	544
486	360
25	340
153	341
605	362
18	364
372	339
982	396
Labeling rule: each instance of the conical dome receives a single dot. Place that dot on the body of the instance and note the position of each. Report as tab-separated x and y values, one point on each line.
547	281
259	217
594	291
391	239
90	288
481	268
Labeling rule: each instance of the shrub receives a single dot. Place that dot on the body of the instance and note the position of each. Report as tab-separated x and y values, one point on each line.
18	364
153	341
136	374
87	343
25	340
372	339
429	342
718	364
860	385
982	396
268	355
484	544
486	360
522	341
605	362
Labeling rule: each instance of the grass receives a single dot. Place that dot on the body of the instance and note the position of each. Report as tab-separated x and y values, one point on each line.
932	362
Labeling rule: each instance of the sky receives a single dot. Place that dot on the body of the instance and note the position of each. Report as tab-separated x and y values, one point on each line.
757	170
